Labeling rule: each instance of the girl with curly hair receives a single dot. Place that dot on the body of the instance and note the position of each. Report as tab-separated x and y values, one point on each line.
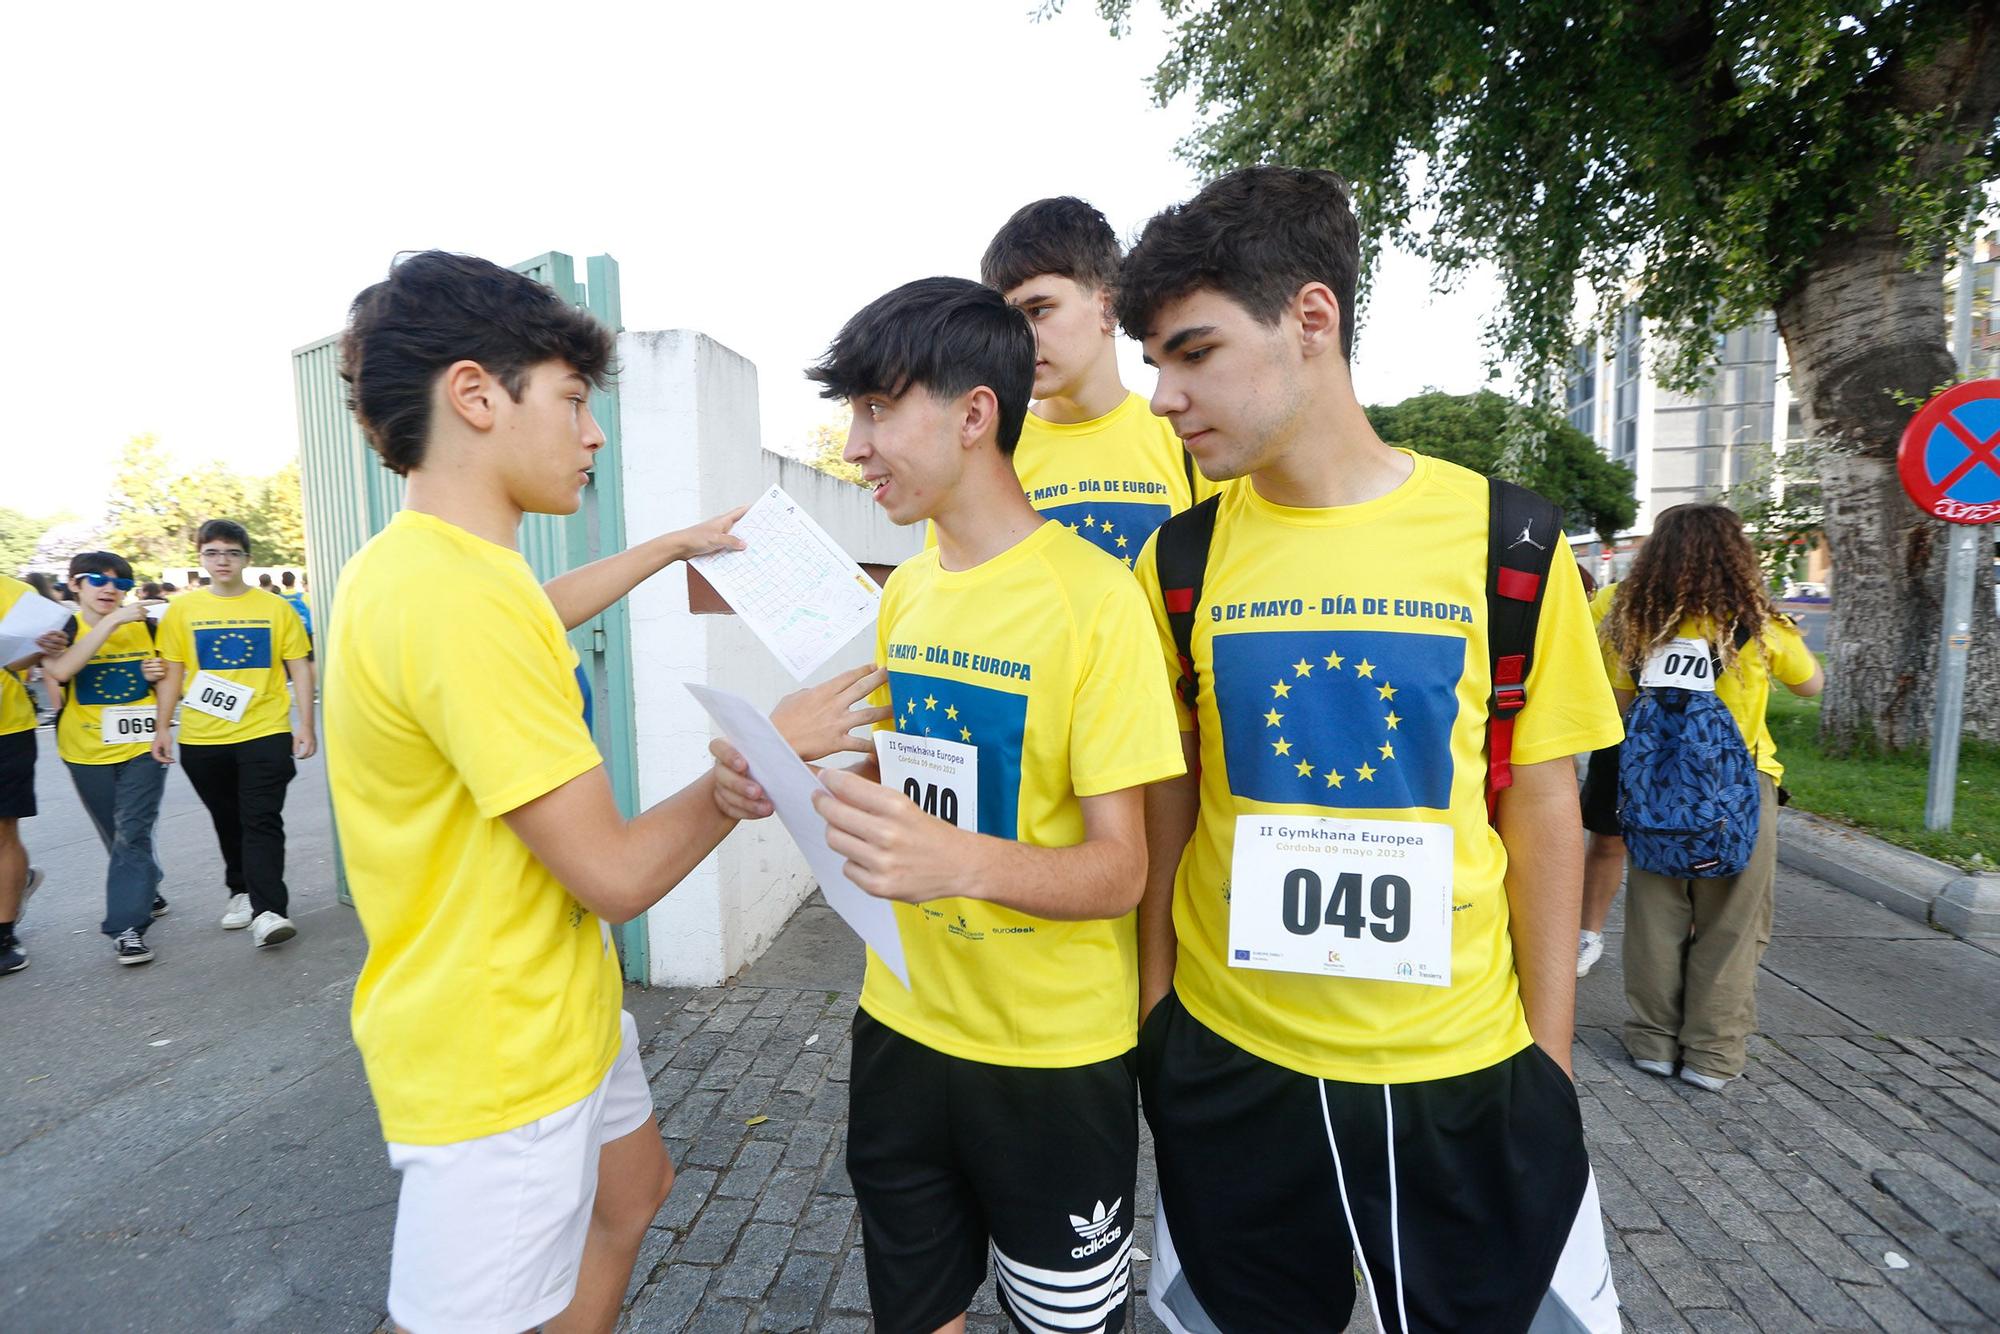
1692	945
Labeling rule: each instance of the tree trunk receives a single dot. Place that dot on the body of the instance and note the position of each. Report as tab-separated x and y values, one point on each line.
1860	328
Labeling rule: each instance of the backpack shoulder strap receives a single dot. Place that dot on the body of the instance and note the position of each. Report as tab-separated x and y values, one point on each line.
1521	536
1180	559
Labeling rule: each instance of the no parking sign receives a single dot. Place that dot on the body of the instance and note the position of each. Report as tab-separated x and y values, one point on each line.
1949	460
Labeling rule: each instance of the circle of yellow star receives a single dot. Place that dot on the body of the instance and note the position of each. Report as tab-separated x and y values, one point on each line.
1365	774
1364	668
1393	719
1273	718
1281	747
930	701
1305	769
1281	689
1333	660
1385	691
965	734
1333	778
1302	668
1388	751
951	712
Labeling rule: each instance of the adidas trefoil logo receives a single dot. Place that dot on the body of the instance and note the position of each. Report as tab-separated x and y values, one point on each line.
1098	1231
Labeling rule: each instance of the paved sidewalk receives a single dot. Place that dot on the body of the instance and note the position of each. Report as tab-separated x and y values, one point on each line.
190	1146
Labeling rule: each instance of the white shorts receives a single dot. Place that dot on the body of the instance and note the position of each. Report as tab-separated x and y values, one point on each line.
490	1231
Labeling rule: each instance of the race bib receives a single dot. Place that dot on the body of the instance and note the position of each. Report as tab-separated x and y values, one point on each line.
1688	664
132	723
940	776
219	698
1337	897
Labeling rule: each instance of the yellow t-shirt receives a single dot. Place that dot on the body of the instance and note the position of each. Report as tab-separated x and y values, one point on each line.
490	996
1113	479
1342	657
111	678
246	639
1040	658
17	711
1745	688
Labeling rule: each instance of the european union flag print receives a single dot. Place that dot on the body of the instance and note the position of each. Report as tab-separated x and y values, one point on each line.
993	721
228	648
1352	720
102	683
1120	528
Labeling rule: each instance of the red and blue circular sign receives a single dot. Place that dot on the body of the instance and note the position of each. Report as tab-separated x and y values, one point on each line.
1949	460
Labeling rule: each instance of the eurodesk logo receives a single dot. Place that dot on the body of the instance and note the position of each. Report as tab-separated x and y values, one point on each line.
1098	1231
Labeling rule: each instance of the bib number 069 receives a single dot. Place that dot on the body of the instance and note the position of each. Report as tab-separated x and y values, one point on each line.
1388	905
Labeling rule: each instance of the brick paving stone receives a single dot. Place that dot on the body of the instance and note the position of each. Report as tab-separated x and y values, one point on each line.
724	1071
795	1299
1968	1145
1850	1054
653	1248
1932	1295
1719	1322
1865	1152
750	1035
751	1169
760	1253
717	1146
1891	1109
1622	1203
1685	1280
851	1293
1763	1301
698	1051
668	1305
1953	1182
719	1318
713	1235
805	1073
834	1180
826	1224
847	1324
1645	1307
1753	1183
1974	1281
1738	1220
689	1115
1927	1202
808	1143
692	1187
1696	1228
1811	1290
1889	1309
784	1196
748	1098
1829	1253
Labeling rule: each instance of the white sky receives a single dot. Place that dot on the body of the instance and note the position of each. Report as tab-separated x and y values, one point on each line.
196	190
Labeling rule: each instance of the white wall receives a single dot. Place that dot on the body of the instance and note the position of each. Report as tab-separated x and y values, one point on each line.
692	449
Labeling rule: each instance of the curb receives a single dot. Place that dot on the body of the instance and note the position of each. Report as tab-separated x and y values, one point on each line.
1923	889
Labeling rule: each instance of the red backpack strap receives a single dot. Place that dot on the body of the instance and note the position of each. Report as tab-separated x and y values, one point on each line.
1522	534
1180	559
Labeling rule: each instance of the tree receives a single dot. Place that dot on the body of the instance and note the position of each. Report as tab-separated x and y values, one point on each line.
277	521
826	443
142	519
1707	162
1521	443
1783	507
19	535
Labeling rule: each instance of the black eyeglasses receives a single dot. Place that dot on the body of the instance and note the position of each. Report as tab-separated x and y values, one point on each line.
231	554
100	580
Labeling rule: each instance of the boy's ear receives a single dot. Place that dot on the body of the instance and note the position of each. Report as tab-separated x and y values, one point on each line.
1318	313
1107	318
982	417
469	390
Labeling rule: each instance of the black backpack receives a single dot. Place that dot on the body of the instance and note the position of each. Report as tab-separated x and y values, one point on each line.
1517	567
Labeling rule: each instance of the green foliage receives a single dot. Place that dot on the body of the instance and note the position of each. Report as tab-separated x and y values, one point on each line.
156	508
1783	506
1532	446
18	535
1710	150
826	443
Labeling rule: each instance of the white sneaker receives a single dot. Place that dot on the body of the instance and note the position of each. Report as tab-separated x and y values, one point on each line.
1589	949
1713	1083
237	915
271	929
1664	1069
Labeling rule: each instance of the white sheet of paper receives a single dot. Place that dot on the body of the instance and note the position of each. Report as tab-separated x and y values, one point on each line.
790	786
31	617
801	594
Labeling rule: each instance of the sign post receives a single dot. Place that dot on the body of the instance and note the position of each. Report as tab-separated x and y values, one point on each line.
1949	462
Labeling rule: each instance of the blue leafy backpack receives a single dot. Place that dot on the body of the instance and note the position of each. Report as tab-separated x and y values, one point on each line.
1687	782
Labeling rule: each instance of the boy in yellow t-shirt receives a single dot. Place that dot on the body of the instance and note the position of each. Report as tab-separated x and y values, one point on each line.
991	1103
105	738
251	665
1091	456
484	849
1360	992
17	779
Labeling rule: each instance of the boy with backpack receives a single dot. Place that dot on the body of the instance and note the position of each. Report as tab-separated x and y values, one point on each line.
1692	644
105	738
1358	938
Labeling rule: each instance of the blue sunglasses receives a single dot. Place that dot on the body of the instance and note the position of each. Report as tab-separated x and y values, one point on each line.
100	580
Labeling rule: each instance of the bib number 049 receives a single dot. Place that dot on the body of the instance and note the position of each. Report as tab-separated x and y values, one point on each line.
1385	915
1342	897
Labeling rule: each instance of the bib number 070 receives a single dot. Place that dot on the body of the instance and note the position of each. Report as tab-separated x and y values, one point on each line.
1386	915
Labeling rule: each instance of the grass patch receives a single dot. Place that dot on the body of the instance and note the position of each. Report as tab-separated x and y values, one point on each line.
1883	792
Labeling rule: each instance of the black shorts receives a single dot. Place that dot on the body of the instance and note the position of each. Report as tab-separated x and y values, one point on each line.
1460	1195
17	775
1600	793
950	1157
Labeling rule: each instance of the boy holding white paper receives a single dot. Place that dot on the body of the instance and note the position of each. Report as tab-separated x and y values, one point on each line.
484	848
992	1101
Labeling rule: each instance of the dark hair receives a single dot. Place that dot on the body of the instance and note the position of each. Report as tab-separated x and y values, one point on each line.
264	580
286	578
100	562
949	335
1257	236
1697	565
167	586
1063	236
436	308
223	530
44	584
149	590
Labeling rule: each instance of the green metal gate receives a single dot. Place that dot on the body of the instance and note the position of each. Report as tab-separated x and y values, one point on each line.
349	497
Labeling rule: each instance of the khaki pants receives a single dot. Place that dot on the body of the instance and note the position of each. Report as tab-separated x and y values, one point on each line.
1691	954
